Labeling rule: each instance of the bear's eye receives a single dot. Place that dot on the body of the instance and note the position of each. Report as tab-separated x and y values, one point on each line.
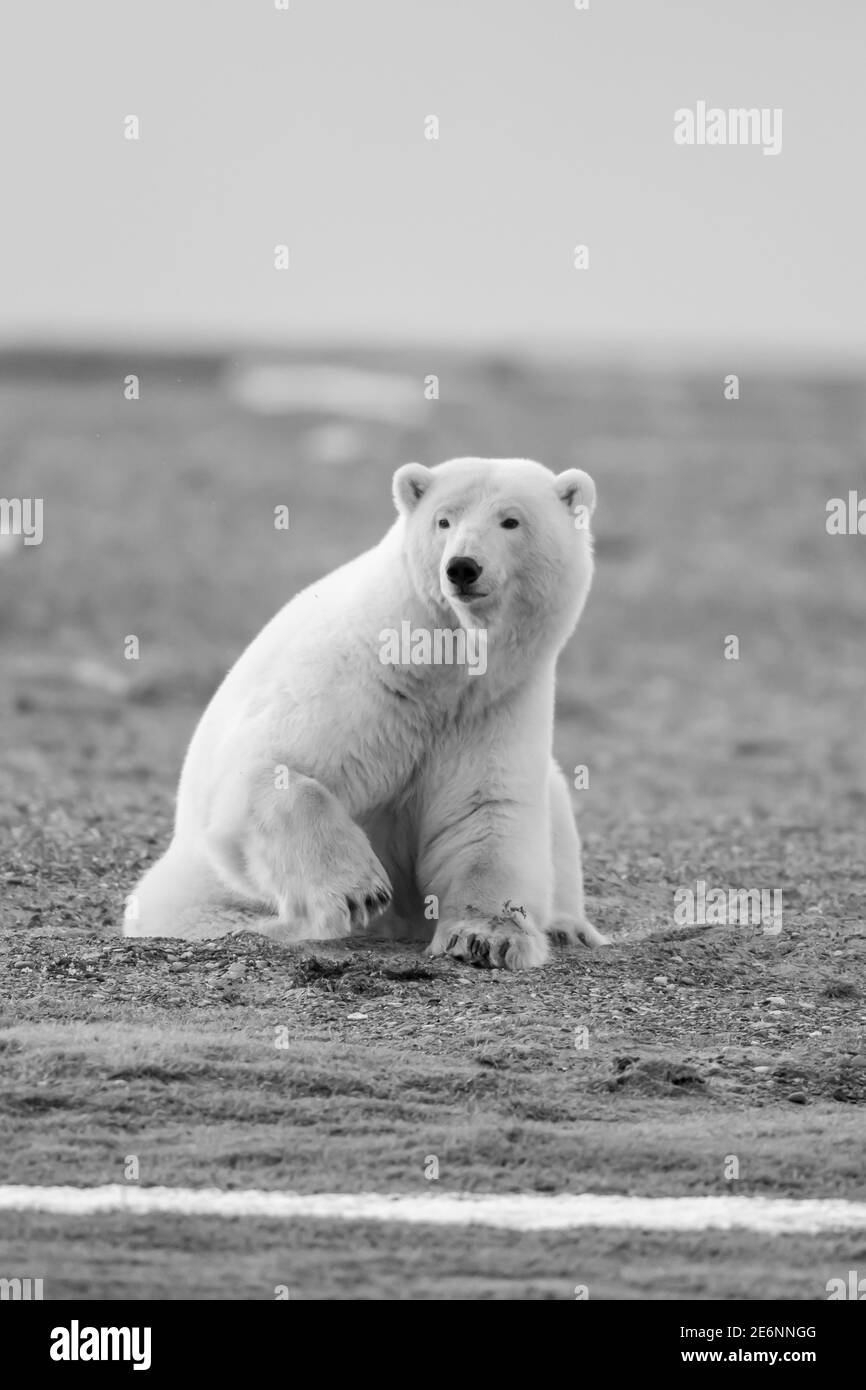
510	522
443	523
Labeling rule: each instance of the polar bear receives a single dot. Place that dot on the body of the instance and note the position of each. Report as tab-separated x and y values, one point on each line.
351	766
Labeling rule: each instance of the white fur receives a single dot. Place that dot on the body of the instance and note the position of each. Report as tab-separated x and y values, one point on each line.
322	788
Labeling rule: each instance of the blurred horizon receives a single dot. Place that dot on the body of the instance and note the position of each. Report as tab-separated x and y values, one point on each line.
688	361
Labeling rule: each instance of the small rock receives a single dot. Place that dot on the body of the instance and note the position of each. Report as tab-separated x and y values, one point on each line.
354	1017
660	979
760	1069
177	966
797	1098
778	1000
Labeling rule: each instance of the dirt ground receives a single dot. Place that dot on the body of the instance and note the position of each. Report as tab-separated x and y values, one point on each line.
646	1068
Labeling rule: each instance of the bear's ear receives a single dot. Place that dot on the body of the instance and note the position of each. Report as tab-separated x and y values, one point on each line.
576	489
411	481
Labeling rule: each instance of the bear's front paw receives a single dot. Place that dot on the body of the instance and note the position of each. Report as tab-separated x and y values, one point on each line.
494	943
573	931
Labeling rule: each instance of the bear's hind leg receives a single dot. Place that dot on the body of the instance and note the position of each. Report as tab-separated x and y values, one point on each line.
568	921
298	850
182	895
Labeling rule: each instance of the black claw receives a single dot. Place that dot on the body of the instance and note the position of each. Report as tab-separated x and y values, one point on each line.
383	896
369	903
353	906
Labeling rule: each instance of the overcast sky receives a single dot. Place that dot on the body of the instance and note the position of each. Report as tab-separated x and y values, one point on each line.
306	127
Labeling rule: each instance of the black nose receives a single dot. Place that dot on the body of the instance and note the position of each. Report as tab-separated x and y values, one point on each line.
462	571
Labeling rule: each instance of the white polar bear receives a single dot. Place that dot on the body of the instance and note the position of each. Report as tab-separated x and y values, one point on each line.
327	784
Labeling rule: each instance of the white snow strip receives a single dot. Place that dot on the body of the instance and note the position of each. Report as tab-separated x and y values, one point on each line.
288	388
505	1211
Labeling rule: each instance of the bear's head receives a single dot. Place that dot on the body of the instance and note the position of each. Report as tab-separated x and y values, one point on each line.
501	543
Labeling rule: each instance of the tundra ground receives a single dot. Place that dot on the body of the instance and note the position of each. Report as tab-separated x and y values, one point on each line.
646	1068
